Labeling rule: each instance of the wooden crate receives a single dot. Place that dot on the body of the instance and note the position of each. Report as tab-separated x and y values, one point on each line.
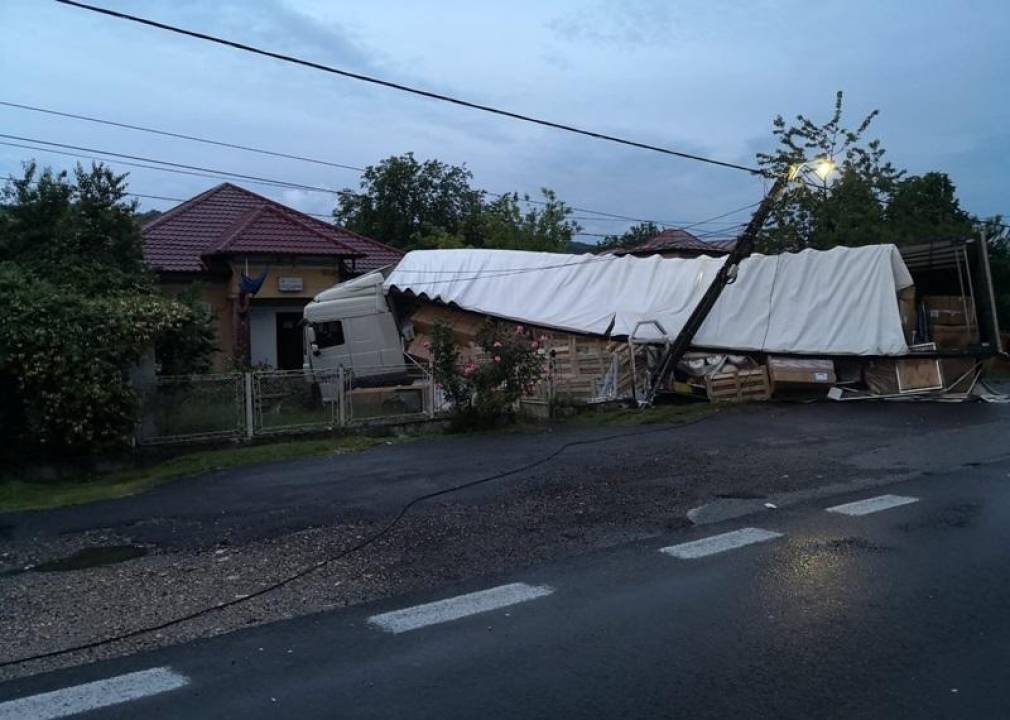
739	386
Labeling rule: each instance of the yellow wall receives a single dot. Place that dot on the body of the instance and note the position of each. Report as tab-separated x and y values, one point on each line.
222	294
215	294
315	279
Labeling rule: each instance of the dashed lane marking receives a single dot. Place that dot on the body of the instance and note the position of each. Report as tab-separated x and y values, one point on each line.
720	543
458	607
872	505
93	695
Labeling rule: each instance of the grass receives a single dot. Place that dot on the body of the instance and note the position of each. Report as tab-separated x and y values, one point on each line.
655	415
16	494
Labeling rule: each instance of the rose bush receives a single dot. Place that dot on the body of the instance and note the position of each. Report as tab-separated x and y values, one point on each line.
486	388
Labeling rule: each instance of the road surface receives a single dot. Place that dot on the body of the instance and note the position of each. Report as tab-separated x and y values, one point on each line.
882	604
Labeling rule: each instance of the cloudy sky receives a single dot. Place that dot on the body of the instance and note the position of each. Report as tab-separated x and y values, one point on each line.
702	76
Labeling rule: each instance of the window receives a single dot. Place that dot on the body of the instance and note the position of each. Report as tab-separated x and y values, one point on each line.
329	334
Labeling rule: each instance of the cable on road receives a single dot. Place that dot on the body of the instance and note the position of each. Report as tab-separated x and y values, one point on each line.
369	540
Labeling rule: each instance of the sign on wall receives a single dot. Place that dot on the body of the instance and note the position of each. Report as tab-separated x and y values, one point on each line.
290	284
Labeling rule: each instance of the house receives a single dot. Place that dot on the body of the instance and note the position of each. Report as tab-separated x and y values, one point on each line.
675	243
256	263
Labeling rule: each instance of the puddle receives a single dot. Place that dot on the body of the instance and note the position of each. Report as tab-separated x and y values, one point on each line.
92	557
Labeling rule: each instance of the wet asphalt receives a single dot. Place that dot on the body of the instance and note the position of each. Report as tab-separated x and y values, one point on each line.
900	613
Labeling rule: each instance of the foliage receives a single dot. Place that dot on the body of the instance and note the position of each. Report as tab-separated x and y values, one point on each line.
505	226
926	207
998	234
864	200
69	354
430	204
403	201
635	235
188	348
487	388
820	215
77	309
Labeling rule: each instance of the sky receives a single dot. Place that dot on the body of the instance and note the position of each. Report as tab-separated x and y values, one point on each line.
700	76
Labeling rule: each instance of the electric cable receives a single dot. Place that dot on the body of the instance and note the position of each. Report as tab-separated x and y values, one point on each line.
408	89
319	564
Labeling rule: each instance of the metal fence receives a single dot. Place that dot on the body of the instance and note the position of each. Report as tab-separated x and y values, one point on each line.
186	408
242	406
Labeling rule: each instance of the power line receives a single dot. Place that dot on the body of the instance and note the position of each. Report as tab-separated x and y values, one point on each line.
277	153
213	173
182	136
183	166
408	89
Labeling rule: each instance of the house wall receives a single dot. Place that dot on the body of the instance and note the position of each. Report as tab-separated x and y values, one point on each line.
263	331
314	279
221	294
215	293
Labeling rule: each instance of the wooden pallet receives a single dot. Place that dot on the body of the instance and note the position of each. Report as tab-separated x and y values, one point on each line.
740	386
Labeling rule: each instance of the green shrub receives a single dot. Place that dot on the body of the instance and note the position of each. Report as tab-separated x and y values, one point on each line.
487	388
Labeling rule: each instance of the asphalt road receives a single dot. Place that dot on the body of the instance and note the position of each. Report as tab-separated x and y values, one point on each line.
740	451
897	613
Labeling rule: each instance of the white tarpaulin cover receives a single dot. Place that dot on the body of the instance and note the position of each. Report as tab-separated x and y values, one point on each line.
841	301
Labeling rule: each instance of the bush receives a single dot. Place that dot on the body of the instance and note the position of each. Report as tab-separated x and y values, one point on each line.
77	311
64	358
487	388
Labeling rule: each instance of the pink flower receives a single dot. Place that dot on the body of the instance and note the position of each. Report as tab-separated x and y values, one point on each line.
534	345
497	358
520	329
543	339
497	344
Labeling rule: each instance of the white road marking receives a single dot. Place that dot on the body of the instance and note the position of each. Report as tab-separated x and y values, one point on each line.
872	505
720	543
93	695
461	606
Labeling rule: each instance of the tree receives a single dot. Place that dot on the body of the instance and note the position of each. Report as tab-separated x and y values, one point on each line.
863	200
403	202
430	204
505	225
847	204
926	207
77	310
634	235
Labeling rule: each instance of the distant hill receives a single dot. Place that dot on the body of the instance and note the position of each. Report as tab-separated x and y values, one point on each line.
147	216
577	248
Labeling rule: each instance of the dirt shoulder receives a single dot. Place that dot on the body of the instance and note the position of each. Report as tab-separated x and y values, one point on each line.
225	535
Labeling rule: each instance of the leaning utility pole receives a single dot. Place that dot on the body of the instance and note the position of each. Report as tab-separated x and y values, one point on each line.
726	275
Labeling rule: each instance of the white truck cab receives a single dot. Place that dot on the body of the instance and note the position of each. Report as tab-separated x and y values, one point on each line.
352	326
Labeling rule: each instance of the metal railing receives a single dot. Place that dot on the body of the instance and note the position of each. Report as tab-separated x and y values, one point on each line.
242	406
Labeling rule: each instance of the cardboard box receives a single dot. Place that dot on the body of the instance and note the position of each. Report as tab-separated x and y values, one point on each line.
801	371
949	310
954	337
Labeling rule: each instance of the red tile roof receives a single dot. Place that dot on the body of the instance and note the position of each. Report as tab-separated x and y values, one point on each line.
229	220
671	240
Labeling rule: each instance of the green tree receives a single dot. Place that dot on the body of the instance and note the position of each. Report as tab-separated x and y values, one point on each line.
411	204
846	205
77	310
926	207
547	228
403	201
634	235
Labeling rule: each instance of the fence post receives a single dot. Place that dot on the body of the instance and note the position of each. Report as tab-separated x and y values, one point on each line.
431	389
249	410
341	397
